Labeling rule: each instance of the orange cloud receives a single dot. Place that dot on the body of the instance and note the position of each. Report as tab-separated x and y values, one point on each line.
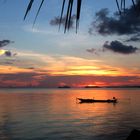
65	65
51	71
13	69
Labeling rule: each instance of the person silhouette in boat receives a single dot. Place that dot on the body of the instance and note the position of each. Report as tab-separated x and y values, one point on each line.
114	98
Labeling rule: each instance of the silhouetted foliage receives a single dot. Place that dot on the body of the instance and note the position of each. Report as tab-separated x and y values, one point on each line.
121	5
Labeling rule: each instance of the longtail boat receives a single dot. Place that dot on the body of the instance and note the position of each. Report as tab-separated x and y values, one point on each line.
114	100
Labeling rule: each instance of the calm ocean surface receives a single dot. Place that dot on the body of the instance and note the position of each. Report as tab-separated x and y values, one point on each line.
53	114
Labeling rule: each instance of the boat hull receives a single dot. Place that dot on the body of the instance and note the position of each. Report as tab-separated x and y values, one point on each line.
97	101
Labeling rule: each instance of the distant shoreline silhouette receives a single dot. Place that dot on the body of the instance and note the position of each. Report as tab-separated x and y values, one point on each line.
123	86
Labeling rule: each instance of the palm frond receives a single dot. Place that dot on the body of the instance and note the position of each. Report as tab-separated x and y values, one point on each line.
118	6
79	2
67	15
38	12
69	20
121	5
62	10
134	4
28	8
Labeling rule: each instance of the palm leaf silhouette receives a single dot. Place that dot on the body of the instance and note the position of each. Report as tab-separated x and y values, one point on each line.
79	2
62	13
38	11
121	5
28	8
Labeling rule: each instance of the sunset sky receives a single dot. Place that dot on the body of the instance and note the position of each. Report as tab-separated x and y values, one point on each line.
104	52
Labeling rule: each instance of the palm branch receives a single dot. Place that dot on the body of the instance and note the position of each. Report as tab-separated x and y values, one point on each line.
121	5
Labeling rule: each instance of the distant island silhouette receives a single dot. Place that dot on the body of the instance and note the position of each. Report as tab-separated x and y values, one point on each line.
67	86
64	86
92	87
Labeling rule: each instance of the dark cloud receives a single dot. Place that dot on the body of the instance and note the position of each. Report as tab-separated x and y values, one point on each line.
56	21
135	38
92	50
5	43
118	47
126	24
8	53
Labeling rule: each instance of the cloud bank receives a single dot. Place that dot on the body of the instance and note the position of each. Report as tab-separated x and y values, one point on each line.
126	24
116	47
5	43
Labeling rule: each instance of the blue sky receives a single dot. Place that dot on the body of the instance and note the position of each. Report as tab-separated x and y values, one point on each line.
13	26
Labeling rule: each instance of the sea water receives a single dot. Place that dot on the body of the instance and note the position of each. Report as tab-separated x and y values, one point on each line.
55	114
